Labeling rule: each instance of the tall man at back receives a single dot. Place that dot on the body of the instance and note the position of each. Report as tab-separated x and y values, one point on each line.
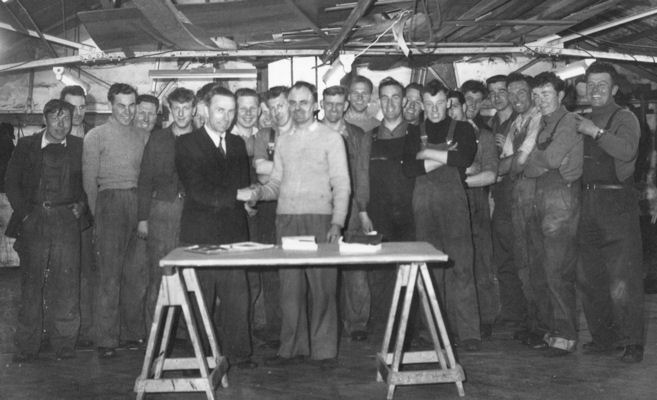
146	112
611	272
161	193
110	162
360	94
75	96
246	122
413	103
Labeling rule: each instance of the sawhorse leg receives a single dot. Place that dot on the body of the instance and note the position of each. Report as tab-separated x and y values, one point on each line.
174	292
410	276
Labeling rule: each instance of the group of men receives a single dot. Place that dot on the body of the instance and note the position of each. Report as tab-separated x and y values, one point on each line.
561	185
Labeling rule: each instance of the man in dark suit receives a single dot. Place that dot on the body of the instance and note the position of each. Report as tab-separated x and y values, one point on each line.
44	187
212	164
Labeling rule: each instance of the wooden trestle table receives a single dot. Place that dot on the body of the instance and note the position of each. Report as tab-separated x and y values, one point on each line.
180	282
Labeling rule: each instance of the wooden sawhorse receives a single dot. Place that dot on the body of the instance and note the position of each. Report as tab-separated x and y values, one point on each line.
175	289
410	276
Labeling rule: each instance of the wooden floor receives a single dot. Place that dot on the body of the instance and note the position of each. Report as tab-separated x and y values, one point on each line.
503	369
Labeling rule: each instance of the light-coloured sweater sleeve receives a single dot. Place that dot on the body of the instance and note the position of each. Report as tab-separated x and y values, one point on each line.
339	180
91	167
271	189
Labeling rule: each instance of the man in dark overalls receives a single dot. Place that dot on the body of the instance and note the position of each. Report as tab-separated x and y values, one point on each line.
556	166
611	269
440	207
44	187
390	208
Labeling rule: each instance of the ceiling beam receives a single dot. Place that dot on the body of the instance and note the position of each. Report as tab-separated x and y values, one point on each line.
581	15
174	26
535	51
50	38
556	39
345	32
19	26
482	11
307	17
502	22
36	28
551	10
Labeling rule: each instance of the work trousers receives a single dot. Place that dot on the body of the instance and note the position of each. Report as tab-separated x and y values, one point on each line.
262	229
49	250
231	317
442	219
355	289
395	222
88	282
513	307
553	232
610	276
163	236
121	291
534	281
319	339
487	292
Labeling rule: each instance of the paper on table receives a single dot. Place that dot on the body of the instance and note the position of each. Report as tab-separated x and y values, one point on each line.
246	246
299	243
205	249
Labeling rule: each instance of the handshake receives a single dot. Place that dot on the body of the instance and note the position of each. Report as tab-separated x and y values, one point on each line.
248	194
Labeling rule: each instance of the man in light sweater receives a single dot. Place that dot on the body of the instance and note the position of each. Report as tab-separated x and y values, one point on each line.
110	167
313	198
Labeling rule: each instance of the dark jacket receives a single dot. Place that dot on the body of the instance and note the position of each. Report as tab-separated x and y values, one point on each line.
211	213
24	173
158	178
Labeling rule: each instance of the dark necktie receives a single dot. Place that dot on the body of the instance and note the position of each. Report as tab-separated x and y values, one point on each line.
221	147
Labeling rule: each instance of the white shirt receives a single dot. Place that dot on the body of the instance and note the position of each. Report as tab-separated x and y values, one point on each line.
216	137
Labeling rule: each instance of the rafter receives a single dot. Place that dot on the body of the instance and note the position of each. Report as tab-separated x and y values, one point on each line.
345	32
50	38
36	28
306	17
174	26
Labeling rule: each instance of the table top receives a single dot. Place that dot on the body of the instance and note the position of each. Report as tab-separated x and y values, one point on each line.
326	254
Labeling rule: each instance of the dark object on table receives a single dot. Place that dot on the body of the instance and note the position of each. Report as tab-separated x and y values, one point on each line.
353	237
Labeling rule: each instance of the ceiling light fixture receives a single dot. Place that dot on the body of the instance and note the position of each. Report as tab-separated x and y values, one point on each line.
203	74
66	78
575	69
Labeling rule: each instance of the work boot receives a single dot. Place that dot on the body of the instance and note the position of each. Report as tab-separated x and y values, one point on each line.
65	353
633	354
